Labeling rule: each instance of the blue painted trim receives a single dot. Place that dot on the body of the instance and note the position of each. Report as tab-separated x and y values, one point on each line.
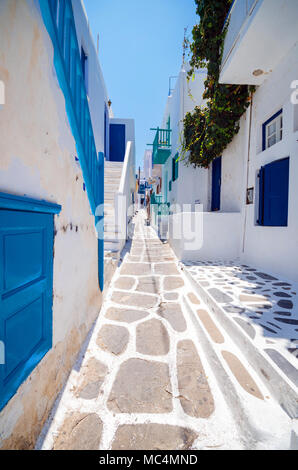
100	220
21	203
70	77
265	125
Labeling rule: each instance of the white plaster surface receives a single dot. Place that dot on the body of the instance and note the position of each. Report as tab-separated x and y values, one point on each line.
220	430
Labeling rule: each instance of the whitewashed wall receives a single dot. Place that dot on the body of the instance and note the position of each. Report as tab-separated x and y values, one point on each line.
205	236
38	160
272	249
275	248
192	184
233	176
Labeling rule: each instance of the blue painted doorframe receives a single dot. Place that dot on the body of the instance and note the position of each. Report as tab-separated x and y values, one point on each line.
216	184
26	287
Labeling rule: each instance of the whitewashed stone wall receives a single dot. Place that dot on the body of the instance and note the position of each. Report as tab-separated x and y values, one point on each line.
38	160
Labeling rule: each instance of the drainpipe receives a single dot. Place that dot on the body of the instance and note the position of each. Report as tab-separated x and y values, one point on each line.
247	170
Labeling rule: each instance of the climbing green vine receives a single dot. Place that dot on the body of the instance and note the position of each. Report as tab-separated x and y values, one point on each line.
209	130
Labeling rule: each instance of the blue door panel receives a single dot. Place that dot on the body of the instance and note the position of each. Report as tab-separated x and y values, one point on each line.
18	330
29	266
276	187
26	266
117	142
274	194
216	184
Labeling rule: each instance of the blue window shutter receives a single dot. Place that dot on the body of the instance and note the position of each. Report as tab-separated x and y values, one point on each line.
276	193
26	288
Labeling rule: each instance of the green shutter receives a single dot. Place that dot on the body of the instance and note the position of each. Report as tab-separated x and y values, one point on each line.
176	166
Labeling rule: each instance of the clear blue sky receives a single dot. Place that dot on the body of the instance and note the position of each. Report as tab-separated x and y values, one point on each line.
140	46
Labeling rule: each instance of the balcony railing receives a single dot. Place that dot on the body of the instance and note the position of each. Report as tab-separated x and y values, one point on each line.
161	145
236	18
59	21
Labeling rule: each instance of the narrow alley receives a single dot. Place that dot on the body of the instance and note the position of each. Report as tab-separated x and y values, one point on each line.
148	226
146	379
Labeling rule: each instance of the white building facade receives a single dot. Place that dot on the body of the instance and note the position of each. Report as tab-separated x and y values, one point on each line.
54	127
244	206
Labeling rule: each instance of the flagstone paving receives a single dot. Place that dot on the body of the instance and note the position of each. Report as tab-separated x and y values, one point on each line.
143	380
265	307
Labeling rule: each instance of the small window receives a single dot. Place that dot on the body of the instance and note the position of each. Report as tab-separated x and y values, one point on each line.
170	186
274	193
273	130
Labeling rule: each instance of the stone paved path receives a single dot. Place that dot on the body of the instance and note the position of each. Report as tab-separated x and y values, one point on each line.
263	305
143	381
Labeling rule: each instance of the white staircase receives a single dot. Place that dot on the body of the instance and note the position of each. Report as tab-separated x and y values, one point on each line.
113	172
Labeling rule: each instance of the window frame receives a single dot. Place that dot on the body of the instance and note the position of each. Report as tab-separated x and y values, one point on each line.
278	119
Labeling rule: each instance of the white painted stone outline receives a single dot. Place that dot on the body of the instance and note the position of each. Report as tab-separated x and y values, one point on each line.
219	430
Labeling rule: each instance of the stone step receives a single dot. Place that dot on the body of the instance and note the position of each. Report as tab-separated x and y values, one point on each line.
111	228
113	171
112	246
112	183
109	190
114	165
254	409
110	219
115	183
110	235
280	381
113	168
113	177
109	164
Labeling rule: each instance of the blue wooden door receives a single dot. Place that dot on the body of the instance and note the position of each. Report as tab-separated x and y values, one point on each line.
26	265
274	193
117	142
216	184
